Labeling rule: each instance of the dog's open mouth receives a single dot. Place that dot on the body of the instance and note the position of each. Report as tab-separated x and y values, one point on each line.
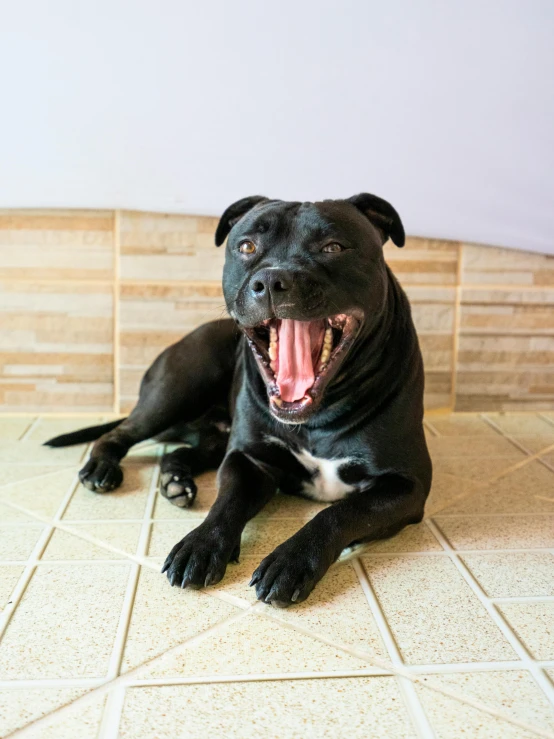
298	358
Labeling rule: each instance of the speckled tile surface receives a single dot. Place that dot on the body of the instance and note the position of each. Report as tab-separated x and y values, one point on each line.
95	644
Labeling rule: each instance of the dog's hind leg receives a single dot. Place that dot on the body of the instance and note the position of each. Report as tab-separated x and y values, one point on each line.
205	451
183	383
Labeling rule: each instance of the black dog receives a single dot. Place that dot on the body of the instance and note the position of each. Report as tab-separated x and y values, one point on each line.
319	369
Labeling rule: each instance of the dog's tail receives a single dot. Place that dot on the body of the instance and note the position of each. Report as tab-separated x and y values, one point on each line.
83	435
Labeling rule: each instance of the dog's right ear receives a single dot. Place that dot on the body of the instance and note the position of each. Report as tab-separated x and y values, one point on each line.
233	214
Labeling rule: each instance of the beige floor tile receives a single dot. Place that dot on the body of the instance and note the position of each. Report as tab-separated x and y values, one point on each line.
30	453
477	469
415	538
47	428
9	576
434	616
461	425
42	496
236	649
358	708
498	532
513	575
17	542
337	608
128	501
164	617
529	489
14	473
534	624
473	446
12	429
520	424
446	489
19	707
65	623
79	721
64	545
165	534
291	506
536	444
512	692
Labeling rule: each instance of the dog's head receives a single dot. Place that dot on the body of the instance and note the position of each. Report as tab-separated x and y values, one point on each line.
301	280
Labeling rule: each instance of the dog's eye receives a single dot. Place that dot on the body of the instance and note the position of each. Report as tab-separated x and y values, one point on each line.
333	248
247	247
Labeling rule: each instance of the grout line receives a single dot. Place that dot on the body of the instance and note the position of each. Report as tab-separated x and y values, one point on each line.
429	426
406	285
36	554
25	435
116	310
37	477
112	711
104	687
419	669
122	680
406	687
511	637
544	417
407	673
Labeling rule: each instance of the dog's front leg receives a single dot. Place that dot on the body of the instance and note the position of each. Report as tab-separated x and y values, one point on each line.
201	558
290	572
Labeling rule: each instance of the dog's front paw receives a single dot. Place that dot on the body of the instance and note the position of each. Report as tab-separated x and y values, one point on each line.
289	574
178	488
201	558
101	475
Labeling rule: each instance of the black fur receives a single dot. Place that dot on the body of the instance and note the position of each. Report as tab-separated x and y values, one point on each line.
369	412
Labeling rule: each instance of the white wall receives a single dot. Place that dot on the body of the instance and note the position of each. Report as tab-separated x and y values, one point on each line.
444	108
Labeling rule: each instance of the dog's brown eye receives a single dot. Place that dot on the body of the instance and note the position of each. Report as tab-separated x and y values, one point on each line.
247	247
332	248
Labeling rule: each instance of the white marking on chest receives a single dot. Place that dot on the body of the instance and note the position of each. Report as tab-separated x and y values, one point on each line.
325	485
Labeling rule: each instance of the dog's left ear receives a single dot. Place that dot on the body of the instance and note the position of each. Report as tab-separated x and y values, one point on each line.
381	215
233	214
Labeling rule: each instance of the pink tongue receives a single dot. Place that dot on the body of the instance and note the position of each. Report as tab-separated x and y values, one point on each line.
299	346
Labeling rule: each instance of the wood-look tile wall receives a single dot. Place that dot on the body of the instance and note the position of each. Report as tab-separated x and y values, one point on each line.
89	298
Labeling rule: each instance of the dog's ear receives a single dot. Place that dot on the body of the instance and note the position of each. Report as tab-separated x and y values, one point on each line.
233	214
382	215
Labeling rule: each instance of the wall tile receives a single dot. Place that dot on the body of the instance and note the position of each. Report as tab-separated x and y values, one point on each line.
424	261
56	347
486	265
154	316
506	350
433	311
155	246
51	244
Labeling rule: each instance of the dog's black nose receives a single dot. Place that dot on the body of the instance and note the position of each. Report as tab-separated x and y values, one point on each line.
269	283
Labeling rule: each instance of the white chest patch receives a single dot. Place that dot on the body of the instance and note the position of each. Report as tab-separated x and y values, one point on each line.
325	485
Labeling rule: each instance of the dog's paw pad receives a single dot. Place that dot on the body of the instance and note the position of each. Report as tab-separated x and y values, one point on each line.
178	489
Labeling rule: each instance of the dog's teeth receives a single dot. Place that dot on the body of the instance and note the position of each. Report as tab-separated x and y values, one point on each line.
325	355
273	366
272	345
328	339
278	402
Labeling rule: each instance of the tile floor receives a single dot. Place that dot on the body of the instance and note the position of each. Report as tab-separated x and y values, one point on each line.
447	630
